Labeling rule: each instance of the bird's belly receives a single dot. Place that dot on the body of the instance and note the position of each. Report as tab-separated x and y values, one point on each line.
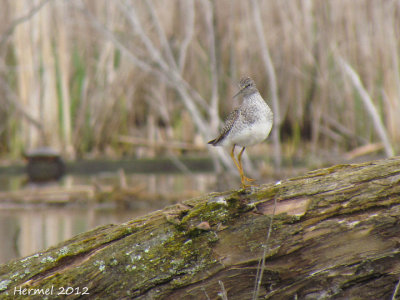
251	135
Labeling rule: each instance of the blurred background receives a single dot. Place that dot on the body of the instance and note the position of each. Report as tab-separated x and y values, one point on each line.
109	104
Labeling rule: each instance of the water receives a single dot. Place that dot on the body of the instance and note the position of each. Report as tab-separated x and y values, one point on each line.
33	218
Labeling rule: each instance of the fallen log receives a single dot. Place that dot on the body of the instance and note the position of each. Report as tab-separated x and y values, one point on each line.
335	234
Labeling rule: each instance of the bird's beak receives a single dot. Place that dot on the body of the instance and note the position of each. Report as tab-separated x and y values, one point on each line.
237	94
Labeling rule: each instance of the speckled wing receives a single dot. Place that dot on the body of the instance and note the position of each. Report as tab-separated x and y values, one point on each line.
229	121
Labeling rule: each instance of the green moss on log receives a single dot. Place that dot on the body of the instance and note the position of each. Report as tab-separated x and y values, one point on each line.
335	233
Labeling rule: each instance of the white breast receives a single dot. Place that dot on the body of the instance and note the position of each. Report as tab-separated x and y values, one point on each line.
252	135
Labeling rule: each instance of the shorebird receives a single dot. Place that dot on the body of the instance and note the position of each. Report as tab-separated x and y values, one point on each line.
247	125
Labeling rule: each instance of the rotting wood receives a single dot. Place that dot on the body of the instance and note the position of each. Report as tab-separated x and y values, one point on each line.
335	234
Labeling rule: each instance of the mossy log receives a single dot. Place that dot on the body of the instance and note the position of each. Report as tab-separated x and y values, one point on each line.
335	234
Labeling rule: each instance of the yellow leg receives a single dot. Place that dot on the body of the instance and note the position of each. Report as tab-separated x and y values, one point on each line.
238	164
234	160
243	177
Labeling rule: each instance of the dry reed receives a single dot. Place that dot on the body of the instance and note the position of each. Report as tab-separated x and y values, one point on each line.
90	71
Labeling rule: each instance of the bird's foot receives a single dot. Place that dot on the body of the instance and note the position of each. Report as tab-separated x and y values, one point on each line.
245	186
245	178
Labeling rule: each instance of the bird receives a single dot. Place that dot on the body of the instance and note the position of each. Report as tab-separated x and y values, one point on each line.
245	126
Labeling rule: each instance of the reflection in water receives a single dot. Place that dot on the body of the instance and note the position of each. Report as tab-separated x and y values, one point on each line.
26	231
28	228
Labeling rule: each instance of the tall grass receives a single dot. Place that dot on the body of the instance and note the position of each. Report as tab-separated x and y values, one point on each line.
89	84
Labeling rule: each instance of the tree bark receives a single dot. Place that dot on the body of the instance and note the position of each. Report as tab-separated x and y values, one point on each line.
335	234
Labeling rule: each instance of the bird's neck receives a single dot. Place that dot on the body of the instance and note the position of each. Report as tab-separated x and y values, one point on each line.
252	97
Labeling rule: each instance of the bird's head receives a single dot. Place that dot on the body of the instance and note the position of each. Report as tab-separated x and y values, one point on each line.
246	87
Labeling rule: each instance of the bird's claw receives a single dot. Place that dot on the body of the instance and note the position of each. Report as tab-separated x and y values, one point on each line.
244	178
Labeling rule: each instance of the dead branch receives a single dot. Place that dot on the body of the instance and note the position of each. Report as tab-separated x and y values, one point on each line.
334	235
